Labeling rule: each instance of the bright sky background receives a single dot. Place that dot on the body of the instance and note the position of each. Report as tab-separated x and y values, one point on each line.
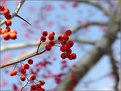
86	13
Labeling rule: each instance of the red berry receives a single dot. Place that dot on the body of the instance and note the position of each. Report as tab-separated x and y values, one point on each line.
8	17
33	87
72	56
30	61
7	29
13	35
60	38
63	48
23	71
8	22
6	11
63	42
26	66
44	33
42	82
51	37
63	55
70	44
32	77
23	78
65	37
47	47
43	38
68	50
51	33
68	32
2	8
13	73
51	43
6	36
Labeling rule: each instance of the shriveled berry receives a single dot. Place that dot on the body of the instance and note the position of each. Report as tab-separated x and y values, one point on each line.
23	78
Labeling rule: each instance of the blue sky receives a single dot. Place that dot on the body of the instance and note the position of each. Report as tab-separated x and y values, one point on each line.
88	13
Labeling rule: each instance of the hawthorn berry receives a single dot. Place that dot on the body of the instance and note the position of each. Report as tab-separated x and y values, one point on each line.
65	37
23	78
33	87
8	22
68	32
44	33
60	38
43	38
23	71
13	35
41	82
63	55
51	37
5	11
30	61
6	36
51	33
13	73
72	56
32	77
63	48
47	47
51	43
26	66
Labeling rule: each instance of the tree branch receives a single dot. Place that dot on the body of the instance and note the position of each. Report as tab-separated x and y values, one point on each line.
15	12
102	46
114	69
100	7
35	43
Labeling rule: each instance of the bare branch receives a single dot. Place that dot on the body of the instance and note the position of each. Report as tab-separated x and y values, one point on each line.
101	47
15	12
114	69
97	5
35	43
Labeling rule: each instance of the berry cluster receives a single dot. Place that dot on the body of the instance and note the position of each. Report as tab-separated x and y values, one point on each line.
38	86
51	43
6	32
66	46
32	77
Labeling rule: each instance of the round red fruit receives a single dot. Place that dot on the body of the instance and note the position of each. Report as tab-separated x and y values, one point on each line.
68	32
26	66
44	33
23	78
30	61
